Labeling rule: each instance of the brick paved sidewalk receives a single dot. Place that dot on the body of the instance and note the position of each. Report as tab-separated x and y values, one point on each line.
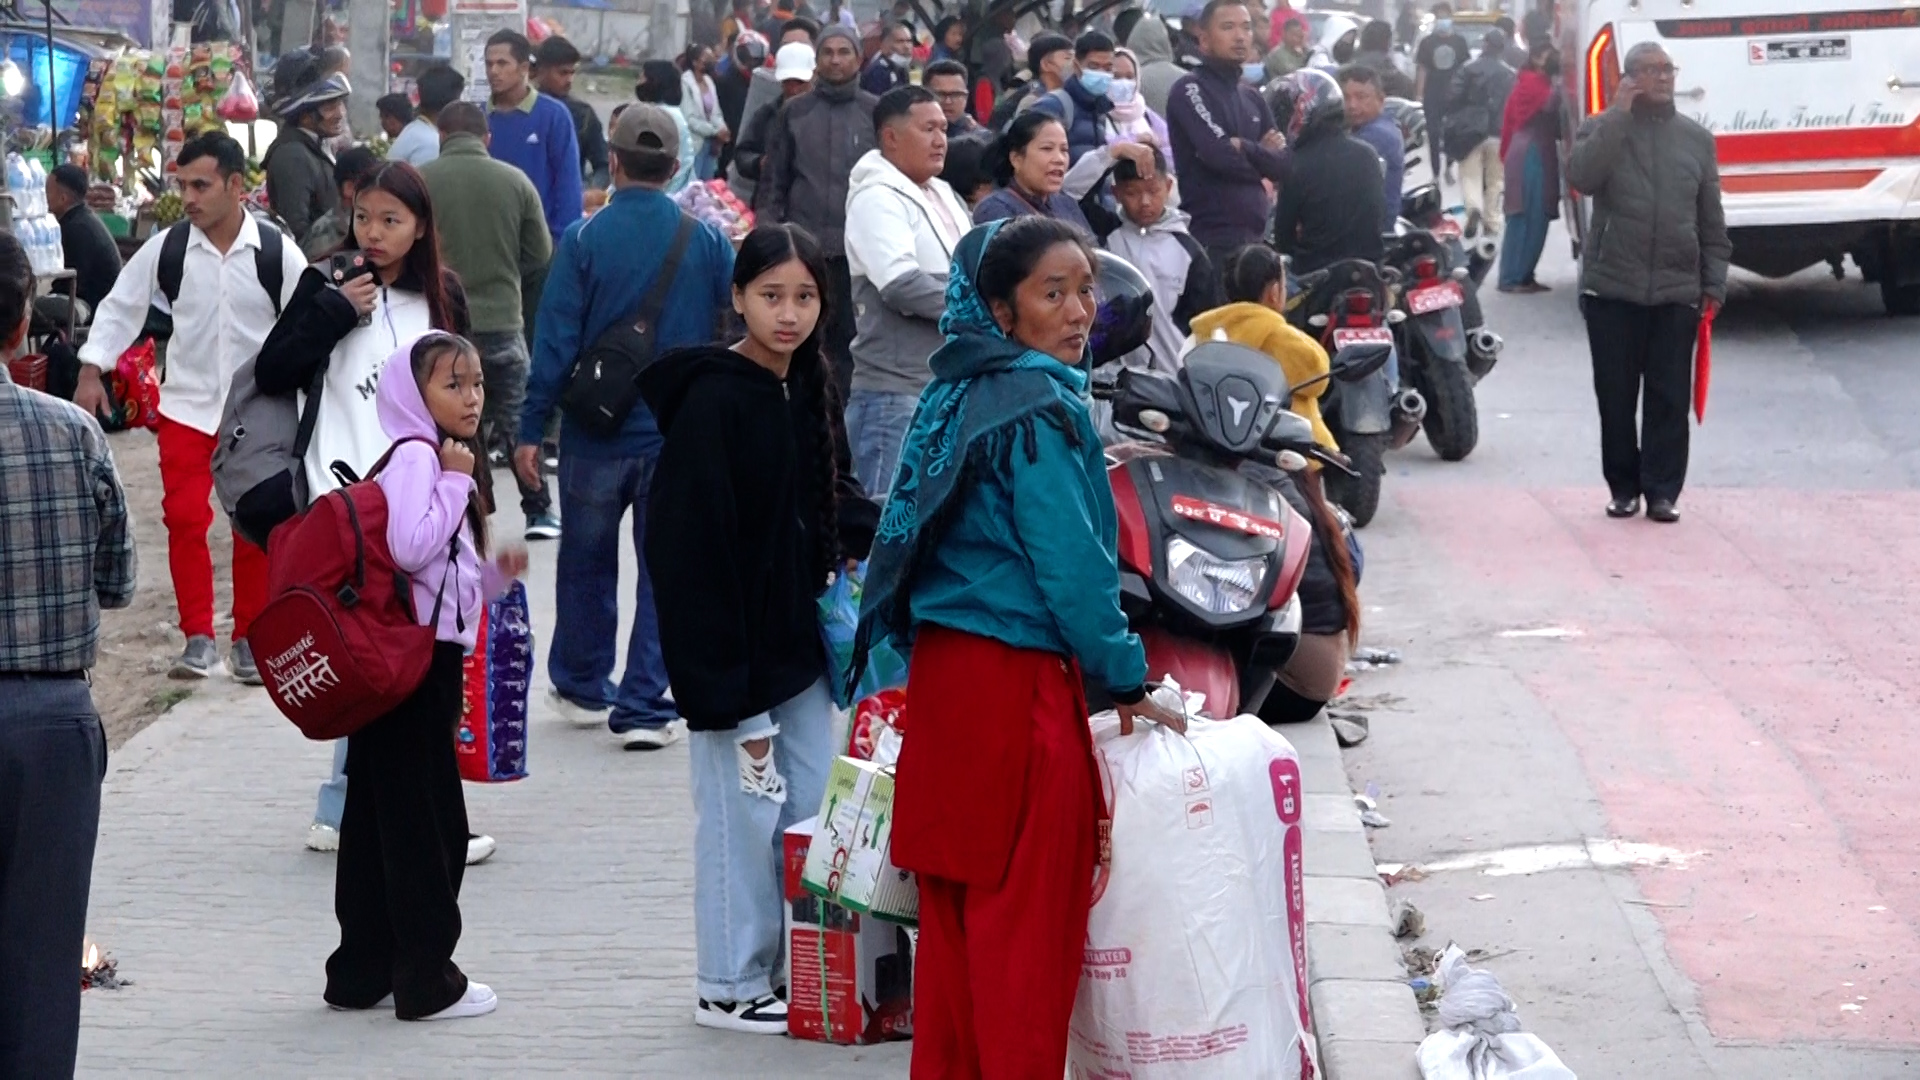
582	922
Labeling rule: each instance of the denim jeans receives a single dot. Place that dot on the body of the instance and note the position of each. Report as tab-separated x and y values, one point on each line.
53	755
595	494
738	904
504	362
332	800
877	426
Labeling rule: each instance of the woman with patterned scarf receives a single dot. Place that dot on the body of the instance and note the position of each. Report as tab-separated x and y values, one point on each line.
995	561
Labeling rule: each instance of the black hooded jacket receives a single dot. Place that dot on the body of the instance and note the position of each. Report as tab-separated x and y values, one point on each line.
1332	204
734	539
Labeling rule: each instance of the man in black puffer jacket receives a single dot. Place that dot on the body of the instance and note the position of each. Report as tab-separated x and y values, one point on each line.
1332	203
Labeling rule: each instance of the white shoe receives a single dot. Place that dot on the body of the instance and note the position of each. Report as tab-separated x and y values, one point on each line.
322	837
578	715
480	848
479	1000
653	738
763	1016
383	1003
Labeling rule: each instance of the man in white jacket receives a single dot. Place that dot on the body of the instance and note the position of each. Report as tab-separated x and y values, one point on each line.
903	223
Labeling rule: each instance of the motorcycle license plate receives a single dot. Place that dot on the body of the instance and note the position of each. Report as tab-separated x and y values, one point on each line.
1363	335
1435	297
1446	229
1227	518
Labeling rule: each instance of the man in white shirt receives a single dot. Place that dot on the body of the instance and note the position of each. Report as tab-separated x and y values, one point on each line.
903	223
222	313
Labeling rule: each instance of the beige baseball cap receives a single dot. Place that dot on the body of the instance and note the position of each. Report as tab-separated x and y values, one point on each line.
645	126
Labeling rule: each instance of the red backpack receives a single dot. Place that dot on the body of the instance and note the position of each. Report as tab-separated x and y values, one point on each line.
339	643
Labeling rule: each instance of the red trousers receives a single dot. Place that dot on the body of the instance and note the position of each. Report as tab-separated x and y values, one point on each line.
186	484
996	812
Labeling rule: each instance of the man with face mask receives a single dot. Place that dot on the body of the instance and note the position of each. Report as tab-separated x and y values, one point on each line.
890	65
1081	104
312	108
1050	58
1224	141
1441	54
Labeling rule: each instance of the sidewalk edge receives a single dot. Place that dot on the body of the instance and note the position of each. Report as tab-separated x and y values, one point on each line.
1365	1019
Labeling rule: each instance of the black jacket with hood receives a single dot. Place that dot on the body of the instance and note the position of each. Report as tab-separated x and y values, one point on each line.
733	538
1332	204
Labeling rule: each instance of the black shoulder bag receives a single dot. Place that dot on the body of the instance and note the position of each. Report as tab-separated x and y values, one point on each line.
605	383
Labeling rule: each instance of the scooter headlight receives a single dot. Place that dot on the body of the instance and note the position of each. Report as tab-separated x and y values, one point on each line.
1221	586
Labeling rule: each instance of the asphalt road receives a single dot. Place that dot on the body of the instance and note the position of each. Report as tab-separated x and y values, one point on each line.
1734	692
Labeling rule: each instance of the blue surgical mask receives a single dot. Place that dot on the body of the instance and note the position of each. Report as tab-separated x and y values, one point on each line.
1255	73
1096	82
1443	26
1122	91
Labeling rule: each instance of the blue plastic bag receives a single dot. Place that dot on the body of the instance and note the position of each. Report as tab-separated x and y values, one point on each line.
839	617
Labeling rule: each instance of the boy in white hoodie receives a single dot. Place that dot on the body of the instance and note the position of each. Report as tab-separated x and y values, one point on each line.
1153	237
903	223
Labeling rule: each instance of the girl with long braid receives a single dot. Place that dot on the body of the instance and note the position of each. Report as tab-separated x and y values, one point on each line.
753	507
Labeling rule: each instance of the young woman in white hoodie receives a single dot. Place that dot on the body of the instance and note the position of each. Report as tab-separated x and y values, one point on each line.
382	288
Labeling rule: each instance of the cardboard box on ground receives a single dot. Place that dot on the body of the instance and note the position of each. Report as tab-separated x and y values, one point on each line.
850	974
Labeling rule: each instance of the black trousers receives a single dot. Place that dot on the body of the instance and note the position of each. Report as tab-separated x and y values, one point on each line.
1642	362
840	330
52	758
403	851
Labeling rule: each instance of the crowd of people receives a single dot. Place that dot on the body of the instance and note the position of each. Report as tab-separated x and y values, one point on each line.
892	366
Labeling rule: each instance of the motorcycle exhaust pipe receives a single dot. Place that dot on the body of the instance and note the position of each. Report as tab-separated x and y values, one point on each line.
1487	248
1409	408
1483	351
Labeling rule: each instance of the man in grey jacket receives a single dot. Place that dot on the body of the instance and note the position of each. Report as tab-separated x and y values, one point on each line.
903	223
1655	264
816	139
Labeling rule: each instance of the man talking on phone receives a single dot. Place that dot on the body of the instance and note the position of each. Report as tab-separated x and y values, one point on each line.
1655	264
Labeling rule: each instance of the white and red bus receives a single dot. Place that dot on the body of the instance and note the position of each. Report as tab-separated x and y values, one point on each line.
1815	111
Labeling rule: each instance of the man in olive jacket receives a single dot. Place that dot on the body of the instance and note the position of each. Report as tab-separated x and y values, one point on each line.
1654	264
493	233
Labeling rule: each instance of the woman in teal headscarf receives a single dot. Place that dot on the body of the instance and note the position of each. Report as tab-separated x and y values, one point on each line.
995	561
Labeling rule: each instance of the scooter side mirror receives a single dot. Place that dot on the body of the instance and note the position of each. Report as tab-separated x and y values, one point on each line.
1289	429
1355	362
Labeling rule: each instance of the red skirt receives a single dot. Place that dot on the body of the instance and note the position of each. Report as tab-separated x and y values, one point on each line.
997	806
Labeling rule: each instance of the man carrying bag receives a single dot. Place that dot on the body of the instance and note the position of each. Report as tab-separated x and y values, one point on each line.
628	284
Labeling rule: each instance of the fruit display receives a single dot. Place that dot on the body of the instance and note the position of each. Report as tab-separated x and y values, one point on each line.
168	208
713	203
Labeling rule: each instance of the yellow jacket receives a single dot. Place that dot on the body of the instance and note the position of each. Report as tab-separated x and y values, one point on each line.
1301	358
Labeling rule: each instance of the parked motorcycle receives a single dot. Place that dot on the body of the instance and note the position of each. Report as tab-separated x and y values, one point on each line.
1432	339
1343	306
1421	209
1210	559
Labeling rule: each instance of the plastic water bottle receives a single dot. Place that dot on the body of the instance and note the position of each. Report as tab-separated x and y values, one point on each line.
29	230
38	180
40	263
56	247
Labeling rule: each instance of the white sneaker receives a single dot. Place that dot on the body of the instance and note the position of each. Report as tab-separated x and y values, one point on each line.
653	738
578	715
762	1016
479	1000
322	837
480	848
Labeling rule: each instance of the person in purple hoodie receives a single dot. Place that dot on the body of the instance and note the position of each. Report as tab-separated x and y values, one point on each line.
1224	140
403	836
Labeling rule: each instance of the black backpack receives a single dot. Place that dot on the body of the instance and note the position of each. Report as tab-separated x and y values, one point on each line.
173	262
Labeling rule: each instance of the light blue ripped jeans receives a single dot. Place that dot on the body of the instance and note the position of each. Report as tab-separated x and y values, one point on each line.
332	801
741	808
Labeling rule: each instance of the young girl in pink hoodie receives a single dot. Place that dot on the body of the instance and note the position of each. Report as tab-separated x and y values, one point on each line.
403	836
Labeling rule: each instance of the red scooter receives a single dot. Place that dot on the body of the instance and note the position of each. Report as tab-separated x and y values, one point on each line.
1210	559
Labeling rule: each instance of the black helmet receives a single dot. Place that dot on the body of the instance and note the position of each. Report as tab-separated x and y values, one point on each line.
1124	318
750	51
1306	100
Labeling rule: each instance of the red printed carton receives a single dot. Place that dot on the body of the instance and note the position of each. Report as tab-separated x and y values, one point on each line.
851	975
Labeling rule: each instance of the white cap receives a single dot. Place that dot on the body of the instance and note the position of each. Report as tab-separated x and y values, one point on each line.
793	61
